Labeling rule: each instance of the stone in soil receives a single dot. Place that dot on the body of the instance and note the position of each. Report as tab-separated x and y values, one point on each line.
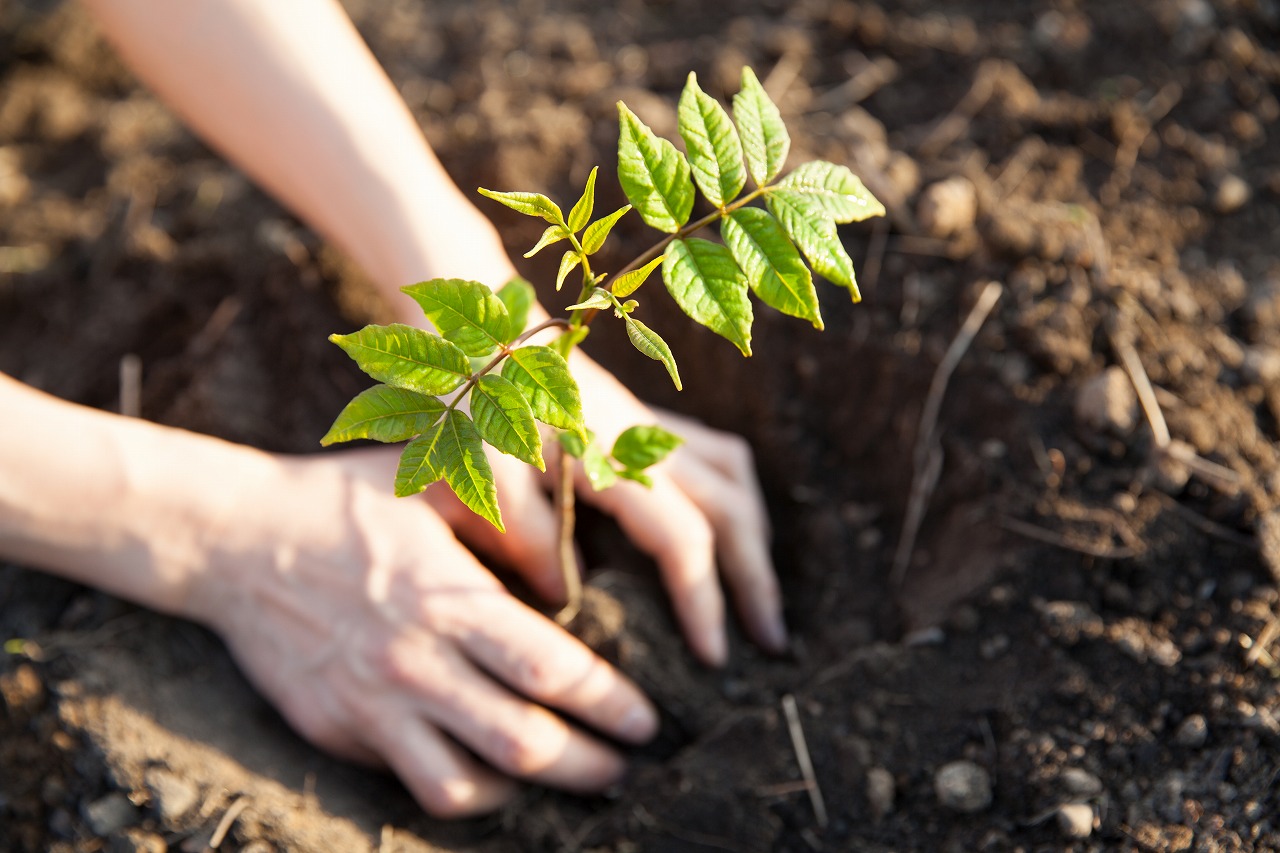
963	786
880	792
1107	403
110	814
1075	820
948	208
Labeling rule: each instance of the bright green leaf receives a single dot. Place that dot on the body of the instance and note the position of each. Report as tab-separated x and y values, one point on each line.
599	470
806	223
653	174
573	444
459	454
707	284
383	413
570	339
715	152
568	263
554	234
465	313
543	376
627	283
598	300
629	306
519	296
637	476
836	189
642	446
505	420
651	344
765	140
774	268
530	204
581	213
418	468
407	357
597	231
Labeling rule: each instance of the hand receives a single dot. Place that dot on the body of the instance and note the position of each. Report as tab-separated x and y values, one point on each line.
705	504
381	639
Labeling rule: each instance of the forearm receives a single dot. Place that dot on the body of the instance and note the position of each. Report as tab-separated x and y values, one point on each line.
125	505
288	91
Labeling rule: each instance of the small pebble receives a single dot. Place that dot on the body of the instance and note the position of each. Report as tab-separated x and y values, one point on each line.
1232	194
949	207
1107	403
880	792
110	814
1080	783
962	786
1075	820
171	795
1193	732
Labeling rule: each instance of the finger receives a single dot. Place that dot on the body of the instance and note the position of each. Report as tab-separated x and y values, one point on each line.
535	657
517	737
442	776
741	539
665	524
728	453
530	546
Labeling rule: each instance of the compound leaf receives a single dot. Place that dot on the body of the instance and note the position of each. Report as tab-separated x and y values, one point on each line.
838	191
568	263
542	375
581	213
707	284
554	234
651	344
598	231
653	174
530	204
715	152
627	283
805	222
774	268
407	357
387	414
641	446
466	313
765	140
519	296
504	419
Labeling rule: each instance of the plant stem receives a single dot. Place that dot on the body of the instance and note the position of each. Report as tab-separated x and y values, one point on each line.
565	514
503	352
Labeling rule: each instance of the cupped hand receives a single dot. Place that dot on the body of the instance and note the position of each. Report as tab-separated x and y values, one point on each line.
382	639
705	508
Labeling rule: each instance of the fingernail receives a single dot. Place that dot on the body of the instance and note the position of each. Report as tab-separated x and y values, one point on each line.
773	635
638	725
717	651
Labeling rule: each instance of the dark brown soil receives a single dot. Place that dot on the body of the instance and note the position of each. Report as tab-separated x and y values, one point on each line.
1083	617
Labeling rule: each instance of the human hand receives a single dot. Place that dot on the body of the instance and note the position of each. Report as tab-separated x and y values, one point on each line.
381	639
705	504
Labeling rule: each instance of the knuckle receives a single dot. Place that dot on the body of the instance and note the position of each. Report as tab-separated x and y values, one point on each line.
441	799
520	753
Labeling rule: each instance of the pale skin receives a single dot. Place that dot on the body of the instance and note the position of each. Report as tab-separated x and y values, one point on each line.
365	618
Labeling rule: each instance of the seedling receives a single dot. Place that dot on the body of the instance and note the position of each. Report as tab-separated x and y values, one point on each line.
480	360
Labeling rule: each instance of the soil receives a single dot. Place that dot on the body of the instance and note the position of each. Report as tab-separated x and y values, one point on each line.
1087	617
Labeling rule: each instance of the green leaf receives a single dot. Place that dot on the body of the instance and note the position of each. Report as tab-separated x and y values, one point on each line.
774	268
407	357
653	174
465	313
530	204
596	233
837	190
765	140
418	468
715	152
568	263
627	283
505	420
641	446
599	470
519	296
707	284
638	476
651	344
804	220
554	234
570	339
581	213
599	300
383	413
574	444
458	453
543	376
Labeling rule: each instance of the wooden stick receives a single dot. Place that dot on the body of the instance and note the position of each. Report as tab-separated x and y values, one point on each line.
224	825
803	759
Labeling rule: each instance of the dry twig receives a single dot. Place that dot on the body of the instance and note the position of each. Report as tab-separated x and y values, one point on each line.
228	819
803	759
927	458
131	386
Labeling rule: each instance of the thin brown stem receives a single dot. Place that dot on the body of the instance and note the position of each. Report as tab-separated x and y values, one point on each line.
503	352
564	499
